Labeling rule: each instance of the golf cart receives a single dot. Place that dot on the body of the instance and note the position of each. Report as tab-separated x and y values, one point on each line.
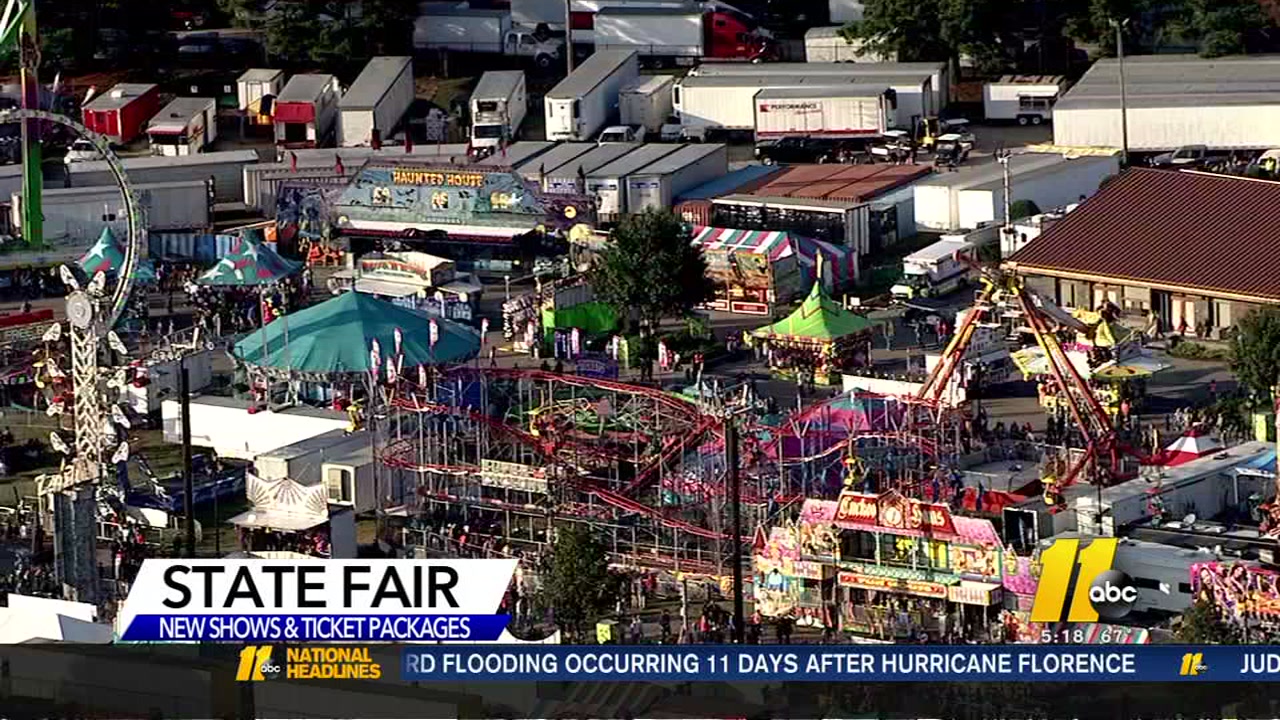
952	150
929	129
894	146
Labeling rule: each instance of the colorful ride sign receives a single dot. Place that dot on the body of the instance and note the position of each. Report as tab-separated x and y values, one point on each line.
892	511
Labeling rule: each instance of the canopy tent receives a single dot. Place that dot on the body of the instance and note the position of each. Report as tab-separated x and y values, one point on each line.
336	337
107	255
1194	443
774	245
592	317
819	319
249	262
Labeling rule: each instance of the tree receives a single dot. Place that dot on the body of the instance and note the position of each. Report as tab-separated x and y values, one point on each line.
1222	27
1202	624
576	581
651	266
937	30
1255	352
1019	209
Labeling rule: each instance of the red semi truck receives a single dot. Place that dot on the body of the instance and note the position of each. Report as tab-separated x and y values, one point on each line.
683	35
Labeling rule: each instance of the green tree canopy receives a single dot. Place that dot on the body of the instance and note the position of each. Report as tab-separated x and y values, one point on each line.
576	581
1202	624
652	266
936	30
1222	27
1255	352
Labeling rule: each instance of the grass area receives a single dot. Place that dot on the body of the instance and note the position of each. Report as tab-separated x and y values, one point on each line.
1200	351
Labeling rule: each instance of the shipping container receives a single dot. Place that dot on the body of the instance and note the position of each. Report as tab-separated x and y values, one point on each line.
255	85
974	196
939	75
498	107
827	45
225	168
185	126
1027	99
570	178
853	111
608	183
376	102
82	212
307	111
646	102
560	154
587	100
122	112
657	185
694	206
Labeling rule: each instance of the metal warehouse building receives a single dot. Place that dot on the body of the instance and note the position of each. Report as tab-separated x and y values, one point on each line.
1174	100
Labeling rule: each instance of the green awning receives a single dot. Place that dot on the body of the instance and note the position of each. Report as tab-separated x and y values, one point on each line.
818	318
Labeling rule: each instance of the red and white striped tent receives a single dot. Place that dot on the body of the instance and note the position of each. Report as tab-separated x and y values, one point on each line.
1194	443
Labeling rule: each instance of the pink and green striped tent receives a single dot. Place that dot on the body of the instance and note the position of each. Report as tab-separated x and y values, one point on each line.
777	245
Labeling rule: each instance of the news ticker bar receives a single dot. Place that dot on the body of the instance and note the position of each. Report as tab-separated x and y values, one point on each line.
878	663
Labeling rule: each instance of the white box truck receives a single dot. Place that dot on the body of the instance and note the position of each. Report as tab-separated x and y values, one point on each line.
839	112
498	106
441	26
656	185
583	103
376	102
185	126
1027	99
256	84
936	270
646	102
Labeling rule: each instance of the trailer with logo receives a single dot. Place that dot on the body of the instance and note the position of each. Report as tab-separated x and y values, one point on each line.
845	112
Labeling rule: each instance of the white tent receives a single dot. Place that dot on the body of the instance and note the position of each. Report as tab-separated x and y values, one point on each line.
39	620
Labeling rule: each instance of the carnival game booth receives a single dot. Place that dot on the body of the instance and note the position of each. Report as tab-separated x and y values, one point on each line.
251	281
755	271
414	280
884	566
819	341
326	352
285	516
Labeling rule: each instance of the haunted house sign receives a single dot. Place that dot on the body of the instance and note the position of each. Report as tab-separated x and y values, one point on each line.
402	199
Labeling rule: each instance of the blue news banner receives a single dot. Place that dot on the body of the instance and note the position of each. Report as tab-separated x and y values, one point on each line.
878	663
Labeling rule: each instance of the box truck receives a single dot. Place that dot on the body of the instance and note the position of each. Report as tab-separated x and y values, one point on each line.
936	270
682	35
840	112
122	113
657	185
583	103
185	126
376	102
498	106
1027	99
441	26
646	102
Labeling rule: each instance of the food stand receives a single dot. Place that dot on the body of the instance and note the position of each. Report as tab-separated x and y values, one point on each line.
755	271
817	342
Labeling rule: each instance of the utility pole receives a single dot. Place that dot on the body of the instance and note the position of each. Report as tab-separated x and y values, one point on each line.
1120	25
735	490
568	35
1002	157
188	482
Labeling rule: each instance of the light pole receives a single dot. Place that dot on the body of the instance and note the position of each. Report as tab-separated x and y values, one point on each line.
1120	25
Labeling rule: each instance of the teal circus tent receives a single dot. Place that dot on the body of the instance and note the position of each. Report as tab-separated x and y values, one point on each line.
107	255
247	263
337	335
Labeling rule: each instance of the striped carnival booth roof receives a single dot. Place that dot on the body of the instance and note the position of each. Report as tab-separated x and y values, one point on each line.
777	245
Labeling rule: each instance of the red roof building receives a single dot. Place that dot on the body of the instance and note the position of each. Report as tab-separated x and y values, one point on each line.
1197	249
